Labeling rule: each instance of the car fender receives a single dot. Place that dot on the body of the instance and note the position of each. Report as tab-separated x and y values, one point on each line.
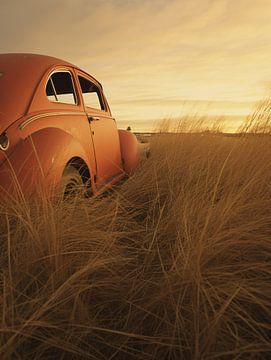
40	159
129	148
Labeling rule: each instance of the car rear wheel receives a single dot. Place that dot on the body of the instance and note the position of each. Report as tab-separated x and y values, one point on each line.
72	183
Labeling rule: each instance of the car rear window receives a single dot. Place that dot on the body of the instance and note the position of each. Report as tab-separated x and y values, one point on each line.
60	88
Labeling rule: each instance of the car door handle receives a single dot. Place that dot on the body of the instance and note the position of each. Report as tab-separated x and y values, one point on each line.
93	118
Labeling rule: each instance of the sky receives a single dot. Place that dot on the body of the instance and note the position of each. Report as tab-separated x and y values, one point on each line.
156	59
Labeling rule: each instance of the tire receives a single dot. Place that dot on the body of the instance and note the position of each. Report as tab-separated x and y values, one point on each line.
72	183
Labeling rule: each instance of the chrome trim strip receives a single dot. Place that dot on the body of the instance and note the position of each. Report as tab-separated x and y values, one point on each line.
36	117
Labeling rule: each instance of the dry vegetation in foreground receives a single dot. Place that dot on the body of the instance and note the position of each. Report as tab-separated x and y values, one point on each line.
174	264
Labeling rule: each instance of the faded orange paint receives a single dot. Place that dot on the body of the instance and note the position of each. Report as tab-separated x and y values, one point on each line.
44	135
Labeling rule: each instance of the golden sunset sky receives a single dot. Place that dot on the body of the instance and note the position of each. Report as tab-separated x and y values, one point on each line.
155	58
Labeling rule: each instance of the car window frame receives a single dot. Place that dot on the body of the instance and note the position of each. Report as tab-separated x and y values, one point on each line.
77	98
100	92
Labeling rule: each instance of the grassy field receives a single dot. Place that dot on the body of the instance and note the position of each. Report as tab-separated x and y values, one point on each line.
173	264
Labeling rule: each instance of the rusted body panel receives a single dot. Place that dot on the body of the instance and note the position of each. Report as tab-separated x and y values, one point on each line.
44	135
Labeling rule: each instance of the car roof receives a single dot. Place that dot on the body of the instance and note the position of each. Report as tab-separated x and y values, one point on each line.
26	60
20	74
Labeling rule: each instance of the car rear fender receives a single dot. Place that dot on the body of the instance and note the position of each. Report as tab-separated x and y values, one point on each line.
40	159
129	151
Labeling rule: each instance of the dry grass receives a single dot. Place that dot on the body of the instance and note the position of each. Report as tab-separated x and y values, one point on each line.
174	264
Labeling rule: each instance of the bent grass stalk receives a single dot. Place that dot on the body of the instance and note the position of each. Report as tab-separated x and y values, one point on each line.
174	263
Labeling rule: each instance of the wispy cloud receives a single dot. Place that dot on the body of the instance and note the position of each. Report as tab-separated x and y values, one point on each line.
153	56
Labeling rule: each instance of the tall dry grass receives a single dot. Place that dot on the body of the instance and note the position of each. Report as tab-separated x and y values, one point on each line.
173	264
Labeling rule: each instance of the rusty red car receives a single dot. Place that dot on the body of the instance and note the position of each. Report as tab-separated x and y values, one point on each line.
57	130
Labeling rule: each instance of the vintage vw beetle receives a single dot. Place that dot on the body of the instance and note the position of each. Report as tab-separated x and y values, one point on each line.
56	128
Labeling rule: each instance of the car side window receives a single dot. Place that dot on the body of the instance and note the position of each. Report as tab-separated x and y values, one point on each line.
60	88
91	94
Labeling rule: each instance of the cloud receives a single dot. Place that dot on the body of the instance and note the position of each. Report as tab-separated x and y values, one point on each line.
151	54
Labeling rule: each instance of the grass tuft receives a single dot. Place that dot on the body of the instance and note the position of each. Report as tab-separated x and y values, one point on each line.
174	264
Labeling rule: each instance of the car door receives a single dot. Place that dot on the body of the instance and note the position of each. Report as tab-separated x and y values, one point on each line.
103	129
